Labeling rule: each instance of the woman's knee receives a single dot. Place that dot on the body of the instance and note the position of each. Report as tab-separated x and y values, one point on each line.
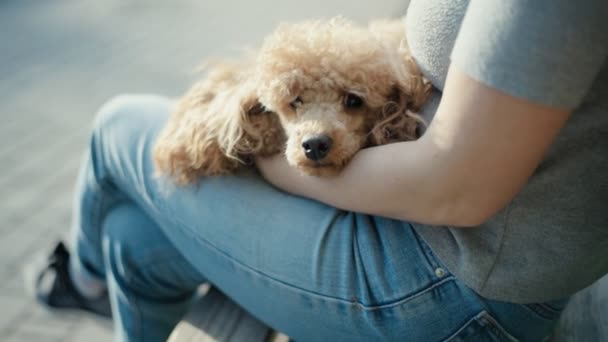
131	110
125	127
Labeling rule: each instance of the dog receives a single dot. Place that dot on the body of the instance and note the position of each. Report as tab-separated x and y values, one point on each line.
318	91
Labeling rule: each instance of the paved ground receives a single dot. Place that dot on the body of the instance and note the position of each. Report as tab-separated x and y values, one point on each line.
59	60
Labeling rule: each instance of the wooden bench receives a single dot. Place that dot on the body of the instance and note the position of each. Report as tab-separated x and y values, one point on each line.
215	317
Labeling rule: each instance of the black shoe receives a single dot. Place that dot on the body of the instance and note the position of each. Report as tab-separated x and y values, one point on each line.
51	285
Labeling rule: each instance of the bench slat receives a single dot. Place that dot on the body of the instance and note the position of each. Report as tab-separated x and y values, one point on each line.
217	318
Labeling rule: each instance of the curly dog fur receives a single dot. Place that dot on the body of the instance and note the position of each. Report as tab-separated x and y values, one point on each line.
353	86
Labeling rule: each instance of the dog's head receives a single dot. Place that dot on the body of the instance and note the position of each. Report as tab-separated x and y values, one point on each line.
319	90
337	88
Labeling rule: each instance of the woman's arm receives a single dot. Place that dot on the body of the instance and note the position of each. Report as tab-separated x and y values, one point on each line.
478	152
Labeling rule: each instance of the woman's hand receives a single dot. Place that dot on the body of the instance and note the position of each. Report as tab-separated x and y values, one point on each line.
478	152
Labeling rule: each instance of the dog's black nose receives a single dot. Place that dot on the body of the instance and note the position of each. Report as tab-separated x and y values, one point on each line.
317	147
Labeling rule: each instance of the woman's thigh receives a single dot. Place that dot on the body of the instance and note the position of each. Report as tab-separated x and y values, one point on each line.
308	269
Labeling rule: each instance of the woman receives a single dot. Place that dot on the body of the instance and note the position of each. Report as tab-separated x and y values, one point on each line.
479	230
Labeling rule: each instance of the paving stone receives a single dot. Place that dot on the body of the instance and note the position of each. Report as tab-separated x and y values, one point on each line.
14	244
29	336
12	310
31	167
40	320
13	285
91	330
58	181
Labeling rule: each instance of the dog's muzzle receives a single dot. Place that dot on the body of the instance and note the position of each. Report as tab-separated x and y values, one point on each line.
317	147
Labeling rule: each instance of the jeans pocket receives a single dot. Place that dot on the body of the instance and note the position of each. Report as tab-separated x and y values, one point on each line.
436	266
483	328
549	310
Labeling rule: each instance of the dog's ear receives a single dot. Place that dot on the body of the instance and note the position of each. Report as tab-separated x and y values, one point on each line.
394	122
262	133
216	126
398	119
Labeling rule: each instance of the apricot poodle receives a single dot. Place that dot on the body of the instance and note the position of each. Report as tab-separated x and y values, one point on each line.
318	91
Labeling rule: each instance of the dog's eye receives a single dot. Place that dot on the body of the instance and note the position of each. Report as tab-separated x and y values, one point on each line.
297	102
353	101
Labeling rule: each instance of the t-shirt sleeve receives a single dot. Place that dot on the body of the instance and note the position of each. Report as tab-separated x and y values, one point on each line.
546	51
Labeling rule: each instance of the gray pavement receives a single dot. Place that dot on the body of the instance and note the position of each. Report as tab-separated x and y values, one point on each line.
59	61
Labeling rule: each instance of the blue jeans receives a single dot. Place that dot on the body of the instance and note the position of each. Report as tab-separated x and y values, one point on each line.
312	271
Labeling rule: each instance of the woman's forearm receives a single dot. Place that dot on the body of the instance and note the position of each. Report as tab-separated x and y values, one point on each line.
396	181
478	152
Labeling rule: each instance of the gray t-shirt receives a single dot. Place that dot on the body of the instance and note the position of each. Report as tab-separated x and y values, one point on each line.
551	240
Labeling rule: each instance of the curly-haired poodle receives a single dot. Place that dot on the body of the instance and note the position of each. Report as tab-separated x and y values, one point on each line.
318	91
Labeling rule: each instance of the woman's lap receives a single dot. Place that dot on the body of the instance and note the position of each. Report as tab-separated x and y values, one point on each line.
261	228
313	271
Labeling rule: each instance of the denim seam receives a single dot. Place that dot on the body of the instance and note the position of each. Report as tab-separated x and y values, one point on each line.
497	328
130	279
140	325
408	298
132	299
157	255
549	308
464	326
543	311
349	302
428	254
96	221
490	321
